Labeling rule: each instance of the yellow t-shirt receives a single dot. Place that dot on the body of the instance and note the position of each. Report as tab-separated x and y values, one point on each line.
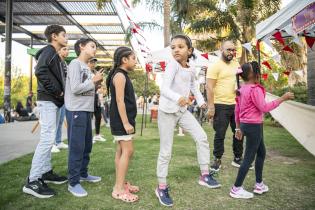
225	74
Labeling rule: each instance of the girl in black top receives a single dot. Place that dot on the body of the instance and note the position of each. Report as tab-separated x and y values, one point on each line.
123	112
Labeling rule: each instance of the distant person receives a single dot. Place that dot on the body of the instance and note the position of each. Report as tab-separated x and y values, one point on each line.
97	104
29	102
20	110
59	144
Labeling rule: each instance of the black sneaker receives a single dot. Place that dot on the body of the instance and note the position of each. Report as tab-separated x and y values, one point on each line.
237	162
38	189
216	165
51	177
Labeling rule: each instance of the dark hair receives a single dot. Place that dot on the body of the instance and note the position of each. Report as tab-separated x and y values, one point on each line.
82	42
188	43
246	69
119	54
53	29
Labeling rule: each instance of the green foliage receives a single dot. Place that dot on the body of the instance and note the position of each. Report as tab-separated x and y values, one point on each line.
299	90
138	79
19	86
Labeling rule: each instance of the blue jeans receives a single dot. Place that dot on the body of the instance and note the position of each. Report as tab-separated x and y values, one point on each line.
80	144
49	116
59	125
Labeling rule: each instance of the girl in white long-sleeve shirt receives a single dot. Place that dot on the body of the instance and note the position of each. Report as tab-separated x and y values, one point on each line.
179	80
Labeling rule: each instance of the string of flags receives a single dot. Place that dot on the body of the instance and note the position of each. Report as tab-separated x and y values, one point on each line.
136	30
310	40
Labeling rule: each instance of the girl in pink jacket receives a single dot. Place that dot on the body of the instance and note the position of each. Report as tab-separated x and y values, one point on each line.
249	112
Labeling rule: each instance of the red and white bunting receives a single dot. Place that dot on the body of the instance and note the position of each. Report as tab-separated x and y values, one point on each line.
248	47
278	37
299	72
275	76
277	58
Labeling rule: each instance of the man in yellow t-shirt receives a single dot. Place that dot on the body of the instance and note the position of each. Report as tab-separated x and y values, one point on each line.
221	86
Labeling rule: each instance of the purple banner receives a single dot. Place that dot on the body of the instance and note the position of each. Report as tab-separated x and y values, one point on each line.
304	18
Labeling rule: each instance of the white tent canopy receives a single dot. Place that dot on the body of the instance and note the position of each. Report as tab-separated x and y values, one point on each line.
281	19
166	55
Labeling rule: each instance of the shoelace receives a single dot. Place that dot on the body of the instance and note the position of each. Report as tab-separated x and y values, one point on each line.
166	192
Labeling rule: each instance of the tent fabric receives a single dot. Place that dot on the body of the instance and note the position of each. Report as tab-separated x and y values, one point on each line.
297	119
166	55
281	19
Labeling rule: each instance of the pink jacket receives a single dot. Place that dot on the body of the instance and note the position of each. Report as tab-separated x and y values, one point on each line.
251	105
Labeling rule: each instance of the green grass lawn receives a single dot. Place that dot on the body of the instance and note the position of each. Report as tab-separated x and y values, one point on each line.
289	172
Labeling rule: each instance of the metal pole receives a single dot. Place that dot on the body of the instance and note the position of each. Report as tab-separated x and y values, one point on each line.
31	68
145	99
7	71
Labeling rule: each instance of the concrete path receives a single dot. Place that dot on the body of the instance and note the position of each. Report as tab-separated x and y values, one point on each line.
17	140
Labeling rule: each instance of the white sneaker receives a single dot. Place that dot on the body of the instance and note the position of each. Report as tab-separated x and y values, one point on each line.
55	149
240	193
260	188
98	138
62	146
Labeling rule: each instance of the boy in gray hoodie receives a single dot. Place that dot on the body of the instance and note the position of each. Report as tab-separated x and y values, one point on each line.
79	102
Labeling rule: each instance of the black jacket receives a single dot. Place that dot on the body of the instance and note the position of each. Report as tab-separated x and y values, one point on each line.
50	76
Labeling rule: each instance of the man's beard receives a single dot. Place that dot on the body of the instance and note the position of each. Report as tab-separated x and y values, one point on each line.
227	58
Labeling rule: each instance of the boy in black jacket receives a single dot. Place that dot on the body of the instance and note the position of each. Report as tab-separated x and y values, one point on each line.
50	97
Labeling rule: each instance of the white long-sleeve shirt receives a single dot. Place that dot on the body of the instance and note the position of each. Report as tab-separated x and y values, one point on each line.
178	82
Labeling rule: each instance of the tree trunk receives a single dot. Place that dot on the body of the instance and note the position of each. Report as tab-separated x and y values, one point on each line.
311	76
167	16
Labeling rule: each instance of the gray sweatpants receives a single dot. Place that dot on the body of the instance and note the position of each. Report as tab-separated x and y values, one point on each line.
167	123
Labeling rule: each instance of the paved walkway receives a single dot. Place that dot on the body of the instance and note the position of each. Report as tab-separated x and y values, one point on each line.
17	140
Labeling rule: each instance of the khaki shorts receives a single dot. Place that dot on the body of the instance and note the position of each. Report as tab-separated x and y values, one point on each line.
123	138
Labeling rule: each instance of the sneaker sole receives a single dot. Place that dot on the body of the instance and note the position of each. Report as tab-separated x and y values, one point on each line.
215	170
54	182
209	186
260	192
157	195
92	181
77	195
240	197
33	193
237	165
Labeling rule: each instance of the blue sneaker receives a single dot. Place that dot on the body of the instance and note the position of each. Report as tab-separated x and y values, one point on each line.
164	197
208	181
77	190
90	178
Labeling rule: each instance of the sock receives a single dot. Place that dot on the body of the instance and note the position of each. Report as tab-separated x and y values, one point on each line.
259	184
162	186
235	188
204	172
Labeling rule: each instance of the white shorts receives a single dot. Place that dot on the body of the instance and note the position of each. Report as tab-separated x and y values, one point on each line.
123	138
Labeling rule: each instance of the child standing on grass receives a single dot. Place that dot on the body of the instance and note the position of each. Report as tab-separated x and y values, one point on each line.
179	80
123	112
79	102
249	110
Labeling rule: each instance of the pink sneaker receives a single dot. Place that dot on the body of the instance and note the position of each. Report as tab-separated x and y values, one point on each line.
239	192
260	188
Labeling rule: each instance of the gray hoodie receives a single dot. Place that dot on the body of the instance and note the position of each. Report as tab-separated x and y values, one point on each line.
80	89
